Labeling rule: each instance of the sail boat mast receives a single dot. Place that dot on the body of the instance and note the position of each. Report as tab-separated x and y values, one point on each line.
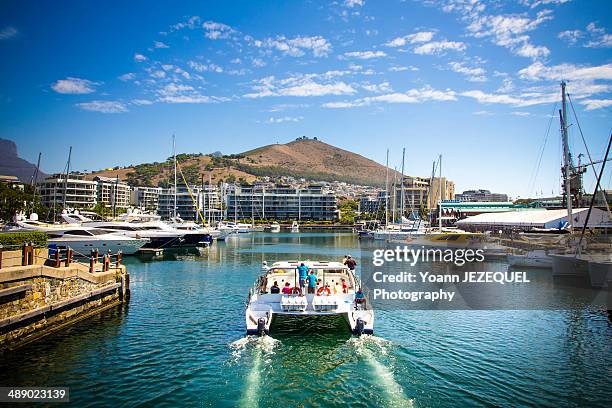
566	156
402	186
387	191
440	194
174	156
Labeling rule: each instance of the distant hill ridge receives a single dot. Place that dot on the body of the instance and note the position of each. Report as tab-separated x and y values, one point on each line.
310	159
12	165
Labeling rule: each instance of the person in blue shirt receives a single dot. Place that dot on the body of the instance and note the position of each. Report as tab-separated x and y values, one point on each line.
302	275
312	282
360	299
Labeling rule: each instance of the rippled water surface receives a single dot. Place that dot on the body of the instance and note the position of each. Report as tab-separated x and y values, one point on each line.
180	341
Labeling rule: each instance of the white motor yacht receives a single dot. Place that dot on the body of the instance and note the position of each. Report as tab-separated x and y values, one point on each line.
330	298
84	239
275	227
400	231
295	227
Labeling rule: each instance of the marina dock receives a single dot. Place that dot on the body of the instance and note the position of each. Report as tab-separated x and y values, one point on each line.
41	294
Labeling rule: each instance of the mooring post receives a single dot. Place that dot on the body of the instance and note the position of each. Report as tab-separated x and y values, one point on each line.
24	260
31	256
96	255
57	258
106	263
91	265
118	259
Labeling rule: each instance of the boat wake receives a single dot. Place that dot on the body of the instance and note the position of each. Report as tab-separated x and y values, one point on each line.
262	349
368	347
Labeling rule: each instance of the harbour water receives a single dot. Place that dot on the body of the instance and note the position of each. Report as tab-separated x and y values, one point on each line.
180	341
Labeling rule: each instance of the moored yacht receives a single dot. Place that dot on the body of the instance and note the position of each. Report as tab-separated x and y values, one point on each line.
275	227
337	295
295	227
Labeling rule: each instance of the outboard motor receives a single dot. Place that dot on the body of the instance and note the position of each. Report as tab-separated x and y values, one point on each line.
261	326
359	327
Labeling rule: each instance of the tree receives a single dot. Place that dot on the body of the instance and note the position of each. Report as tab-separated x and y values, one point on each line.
13	200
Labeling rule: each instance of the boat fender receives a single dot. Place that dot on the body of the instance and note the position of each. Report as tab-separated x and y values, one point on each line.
324	289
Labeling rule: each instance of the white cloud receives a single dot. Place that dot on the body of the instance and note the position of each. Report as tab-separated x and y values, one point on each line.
258	62
536	3
141	102
483	113
178	93
210	67
285	119
384	87
592	104
159	74
103	106
217	31
127	77
473	74
532	51
296	47
420	37
400	69
353	3
518	113
159	44
365	54
506	86
8	32
522	100
411	96
571	36
139	57
236	61
538	71
300	85
438	47
509	30
599	37
74	86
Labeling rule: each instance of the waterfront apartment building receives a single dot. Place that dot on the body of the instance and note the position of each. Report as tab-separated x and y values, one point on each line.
481	196
283	203
372	204
112	193
186	205
423	192
72	191
146	198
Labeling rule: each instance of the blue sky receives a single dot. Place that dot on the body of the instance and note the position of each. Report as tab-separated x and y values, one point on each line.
474	81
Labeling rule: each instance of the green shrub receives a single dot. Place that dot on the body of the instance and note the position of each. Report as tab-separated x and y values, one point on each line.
14	240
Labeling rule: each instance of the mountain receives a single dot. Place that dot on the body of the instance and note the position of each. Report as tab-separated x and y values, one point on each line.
315	160
12	165
310	159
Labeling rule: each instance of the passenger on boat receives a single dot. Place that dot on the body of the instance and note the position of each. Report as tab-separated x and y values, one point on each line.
287	289
275	288
360	298
350	262
344	286
312	282
303	275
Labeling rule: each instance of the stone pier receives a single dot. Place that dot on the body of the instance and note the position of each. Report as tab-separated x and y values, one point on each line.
38	297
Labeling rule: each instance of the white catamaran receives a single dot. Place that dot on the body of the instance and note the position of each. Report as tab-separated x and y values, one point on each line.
339	293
